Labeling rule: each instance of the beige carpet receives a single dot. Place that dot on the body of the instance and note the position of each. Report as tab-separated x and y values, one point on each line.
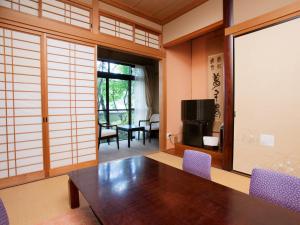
111	152
33	203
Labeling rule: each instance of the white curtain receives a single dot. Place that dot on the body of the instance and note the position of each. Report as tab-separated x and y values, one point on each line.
140	105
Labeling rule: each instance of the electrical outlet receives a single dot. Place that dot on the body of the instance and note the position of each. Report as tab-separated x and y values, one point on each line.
267	140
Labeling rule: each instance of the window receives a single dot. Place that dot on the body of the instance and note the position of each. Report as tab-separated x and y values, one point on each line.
116	28
25	6
146	38
66	13
115	92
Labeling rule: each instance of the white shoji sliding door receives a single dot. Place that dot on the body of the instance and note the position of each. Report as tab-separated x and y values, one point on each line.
21	144
71	103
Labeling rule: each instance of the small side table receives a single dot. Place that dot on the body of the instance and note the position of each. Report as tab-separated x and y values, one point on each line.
131	128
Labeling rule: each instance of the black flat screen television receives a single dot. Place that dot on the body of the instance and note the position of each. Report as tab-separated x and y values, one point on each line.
198	110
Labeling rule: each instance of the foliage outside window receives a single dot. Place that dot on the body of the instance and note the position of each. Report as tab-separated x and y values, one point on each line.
114	92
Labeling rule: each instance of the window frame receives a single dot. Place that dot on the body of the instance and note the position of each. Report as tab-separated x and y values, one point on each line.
116	76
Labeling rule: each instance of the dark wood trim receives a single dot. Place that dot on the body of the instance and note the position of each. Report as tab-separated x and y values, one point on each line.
229	88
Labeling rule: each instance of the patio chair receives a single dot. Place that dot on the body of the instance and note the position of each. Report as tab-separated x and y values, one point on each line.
152	125
106	132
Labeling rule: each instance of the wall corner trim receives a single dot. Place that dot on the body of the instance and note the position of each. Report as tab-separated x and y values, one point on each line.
194	34
267	19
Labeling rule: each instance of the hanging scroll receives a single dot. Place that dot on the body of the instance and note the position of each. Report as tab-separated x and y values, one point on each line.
216	86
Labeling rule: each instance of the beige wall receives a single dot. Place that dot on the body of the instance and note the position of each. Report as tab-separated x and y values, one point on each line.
267	99
178	67
123	13
199	17
187	75
247	9
202	47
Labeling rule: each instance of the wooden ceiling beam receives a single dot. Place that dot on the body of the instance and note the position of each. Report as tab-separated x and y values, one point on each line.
131	10
154	19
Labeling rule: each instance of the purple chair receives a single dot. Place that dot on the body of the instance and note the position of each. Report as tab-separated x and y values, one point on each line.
197	163
278	188
3	214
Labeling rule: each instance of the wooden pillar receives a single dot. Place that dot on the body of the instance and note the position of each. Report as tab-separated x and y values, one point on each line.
229	88
95	16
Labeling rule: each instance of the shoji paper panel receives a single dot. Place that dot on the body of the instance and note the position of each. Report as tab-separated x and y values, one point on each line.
116	28
66	13
21	145
26	6
145	38
71	103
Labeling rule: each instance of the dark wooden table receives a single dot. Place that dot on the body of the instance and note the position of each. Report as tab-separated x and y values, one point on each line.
141	191
131	128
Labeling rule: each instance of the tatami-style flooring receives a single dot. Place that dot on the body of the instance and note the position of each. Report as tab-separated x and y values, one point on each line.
33	203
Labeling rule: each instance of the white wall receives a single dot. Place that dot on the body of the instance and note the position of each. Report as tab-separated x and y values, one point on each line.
247	9
202	16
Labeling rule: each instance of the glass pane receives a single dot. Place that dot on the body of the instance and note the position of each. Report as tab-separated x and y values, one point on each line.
102	117
102	66
120	69
118	117
101	93
118	101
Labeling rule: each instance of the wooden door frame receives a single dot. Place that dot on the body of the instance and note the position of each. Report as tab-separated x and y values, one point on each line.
229	88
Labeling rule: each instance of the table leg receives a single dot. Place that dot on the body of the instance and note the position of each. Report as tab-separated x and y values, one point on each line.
144	136
73	195
129	138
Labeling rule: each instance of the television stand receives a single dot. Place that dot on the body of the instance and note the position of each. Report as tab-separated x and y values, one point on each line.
216	156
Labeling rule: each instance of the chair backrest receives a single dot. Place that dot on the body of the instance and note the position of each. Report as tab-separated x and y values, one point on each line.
278	188
154	118
3	214
197	163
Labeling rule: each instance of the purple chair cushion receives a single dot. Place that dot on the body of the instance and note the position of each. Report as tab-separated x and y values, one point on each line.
197	163
278	188
3	214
